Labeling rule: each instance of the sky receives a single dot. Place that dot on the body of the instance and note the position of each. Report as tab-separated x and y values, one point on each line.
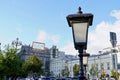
45	21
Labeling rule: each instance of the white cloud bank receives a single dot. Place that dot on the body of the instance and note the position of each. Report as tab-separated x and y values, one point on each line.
44	37
99	38
69	49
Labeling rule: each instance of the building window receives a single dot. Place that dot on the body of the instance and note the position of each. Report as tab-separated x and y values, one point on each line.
118	66
108	66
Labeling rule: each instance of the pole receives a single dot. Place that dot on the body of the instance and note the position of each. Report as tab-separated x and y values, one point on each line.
100	63
116	66
81	73
85	69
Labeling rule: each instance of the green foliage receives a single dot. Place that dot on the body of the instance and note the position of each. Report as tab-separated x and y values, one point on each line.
10	65
65	72
1	63
1	57
76	69
114	73
93	71
103	74
33	65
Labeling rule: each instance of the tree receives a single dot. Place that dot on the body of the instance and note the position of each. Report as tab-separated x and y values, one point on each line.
65	72
93	71
103	74
33	65
11	62
1	64
114	74
76	69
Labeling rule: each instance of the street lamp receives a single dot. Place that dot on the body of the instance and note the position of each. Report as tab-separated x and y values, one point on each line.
80	23
16	42
85	60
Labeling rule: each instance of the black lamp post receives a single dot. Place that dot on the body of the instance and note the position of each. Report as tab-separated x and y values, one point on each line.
80	23
85	60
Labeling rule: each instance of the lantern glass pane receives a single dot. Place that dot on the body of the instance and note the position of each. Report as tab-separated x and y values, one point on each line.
85	60
80	32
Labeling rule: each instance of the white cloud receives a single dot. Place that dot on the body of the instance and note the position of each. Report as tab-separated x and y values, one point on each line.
69	49
45	37
99	38
116	14
42	36
55	39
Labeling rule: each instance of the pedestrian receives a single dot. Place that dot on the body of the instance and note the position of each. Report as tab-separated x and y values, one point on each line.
107	77
100	78
35	77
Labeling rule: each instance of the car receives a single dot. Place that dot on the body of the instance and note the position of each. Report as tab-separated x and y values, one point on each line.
52	78
75	78
63	79
49	78
109	79
66	78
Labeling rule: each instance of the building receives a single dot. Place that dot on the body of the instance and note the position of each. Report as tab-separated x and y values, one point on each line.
106	60
44	55
58	63
55	61
71	64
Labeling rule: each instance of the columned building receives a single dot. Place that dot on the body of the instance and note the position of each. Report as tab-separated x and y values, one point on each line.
58	63
71	64
106	60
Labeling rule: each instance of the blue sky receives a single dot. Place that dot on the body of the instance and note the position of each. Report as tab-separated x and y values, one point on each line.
45	21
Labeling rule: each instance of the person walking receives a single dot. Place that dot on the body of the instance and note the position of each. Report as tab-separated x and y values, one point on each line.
107	77
100	78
